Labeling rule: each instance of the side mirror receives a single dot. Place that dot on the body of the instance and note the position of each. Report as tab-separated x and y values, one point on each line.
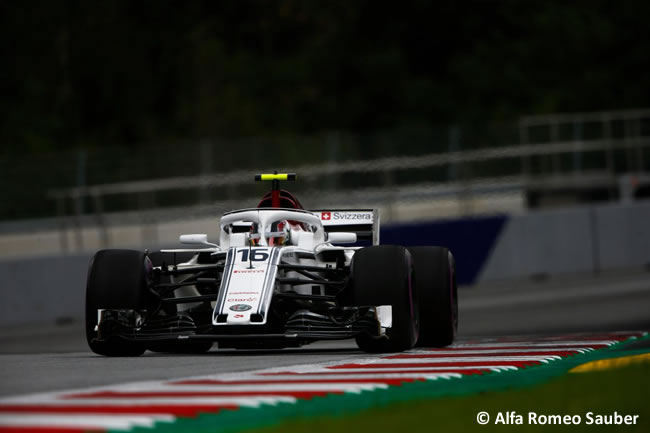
196	239
302	239
341	238
238	239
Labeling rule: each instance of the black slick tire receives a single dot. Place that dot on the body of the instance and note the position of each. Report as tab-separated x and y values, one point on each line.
435	281
381	275
117	279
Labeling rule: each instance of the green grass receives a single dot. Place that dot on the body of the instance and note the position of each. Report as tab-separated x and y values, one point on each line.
625	390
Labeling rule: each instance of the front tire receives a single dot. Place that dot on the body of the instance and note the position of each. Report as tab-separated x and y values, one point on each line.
382	275
435	282
117	280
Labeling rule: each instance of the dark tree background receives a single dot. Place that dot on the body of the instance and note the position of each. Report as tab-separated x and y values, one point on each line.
96	73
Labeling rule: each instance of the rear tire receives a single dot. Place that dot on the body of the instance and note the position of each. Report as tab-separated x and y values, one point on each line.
435	282
117	280
381	275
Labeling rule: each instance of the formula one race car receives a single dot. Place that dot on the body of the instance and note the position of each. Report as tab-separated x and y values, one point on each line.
278	278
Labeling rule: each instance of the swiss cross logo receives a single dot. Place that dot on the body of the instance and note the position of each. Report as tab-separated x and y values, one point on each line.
326	216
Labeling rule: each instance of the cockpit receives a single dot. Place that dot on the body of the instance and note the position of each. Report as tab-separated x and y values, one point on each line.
270	227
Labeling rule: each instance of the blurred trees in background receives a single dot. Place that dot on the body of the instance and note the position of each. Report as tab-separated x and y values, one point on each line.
97	73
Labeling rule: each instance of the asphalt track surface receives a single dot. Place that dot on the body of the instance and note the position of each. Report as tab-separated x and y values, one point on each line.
49	358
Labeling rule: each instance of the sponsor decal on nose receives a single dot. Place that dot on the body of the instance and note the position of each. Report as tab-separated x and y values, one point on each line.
249	299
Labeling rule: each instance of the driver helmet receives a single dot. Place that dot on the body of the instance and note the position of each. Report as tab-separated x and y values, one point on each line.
280	234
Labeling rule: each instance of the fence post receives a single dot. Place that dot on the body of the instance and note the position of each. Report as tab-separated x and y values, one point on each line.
148	223
557	166
523	142
639	145
454	146
205	168
99	217
595	241
79	197
627	142
63	231
333	145
577	139
609	154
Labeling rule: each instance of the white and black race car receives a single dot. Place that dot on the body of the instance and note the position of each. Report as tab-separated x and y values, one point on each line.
279	277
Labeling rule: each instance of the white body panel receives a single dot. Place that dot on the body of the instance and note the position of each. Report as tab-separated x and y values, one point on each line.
245	286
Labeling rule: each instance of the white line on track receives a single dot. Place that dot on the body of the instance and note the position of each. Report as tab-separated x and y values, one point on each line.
189	401
533	344
442	360
331	371
378	376
164	387
479	351
82	421
410	371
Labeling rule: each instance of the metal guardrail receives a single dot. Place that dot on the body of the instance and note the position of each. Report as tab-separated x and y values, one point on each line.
604	117
360	166
630	124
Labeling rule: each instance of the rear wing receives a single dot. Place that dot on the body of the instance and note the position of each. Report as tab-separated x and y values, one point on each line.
363	222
